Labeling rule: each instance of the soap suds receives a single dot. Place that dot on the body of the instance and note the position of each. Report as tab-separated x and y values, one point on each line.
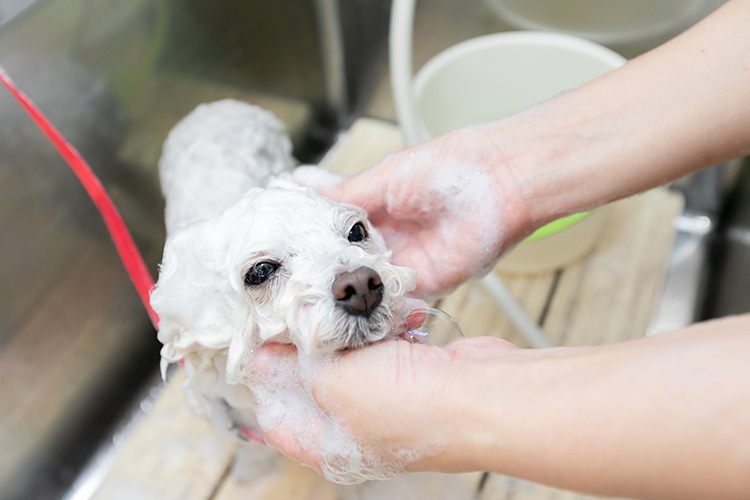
451	191
283	400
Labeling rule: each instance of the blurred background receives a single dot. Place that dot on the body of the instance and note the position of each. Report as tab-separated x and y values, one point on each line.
78	356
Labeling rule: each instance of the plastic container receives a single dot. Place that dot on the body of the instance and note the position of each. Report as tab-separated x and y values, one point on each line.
493	76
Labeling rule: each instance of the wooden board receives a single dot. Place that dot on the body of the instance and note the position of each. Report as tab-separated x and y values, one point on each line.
170	455
363	145
611	296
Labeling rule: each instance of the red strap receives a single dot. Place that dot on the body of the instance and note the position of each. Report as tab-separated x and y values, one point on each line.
129	254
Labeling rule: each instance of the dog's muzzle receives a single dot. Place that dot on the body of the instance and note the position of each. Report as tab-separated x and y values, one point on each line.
358	292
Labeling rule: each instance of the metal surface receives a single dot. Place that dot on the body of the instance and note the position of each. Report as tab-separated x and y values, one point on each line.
728	279
692	277
683	289
76	348
90	477
73	340
332	51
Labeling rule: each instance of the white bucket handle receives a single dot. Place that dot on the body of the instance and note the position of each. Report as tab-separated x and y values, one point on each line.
400	62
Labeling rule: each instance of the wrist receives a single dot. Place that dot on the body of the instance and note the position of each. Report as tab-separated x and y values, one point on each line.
549	158
506	384
523	396
485	386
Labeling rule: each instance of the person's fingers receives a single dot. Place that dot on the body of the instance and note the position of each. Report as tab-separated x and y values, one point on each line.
297	440
286	442
367	189
268	356
272	364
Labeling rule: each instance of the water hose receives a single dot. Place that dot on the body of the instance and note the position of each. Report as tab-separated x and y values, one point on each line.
129	254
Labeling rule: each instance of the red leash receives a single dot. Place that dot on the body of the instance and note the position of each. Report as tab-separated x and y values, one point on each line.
129	254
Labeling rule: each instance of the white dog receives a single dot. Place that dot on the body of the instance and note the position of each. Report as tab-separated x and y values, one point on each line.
251	257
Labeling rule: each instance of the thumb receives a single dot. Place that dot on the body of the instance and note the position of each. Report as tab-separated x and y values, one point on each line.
270	356
285	440
278	399
367	189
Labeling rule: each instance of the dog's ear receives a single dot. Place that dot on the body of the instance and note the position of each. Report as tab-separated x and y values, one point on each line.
196	303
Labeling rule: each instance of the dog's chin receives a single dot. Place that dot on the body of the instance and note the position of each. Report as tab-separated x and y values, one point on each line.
352	332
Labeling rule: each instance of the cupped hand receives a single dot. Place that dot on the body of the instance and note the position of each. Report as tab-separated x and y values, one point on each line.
400	402
441	207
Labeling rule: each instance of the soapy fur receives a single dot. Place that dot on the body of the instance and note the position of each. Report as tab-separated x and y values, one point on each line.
343	458
217	153
230	205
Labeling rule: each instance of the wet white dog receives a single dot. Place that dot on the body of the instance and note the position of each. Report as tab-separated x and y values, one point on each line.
253	257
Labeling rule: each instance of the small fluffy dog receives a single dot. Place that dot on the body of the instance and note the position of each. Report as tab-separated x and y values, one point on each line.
252	257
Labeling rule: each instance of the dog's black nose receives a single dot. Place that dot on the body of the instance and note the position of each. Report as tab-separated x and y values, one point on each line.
358	292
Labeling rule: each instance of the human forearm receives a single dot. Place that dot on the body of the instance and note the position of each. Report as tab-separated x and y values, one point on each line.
662	417
676	109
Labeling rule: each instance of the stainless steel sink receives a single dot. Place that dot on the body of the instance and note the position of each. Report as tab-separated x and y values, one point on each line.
77	353
728	290
707	271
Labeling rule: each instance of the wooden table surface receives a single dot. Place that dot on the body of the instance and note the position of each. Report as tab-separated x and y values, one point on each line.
609	296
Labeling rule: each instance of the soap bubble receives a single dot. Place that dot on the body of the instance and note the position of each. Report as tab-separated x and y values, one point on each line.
432	326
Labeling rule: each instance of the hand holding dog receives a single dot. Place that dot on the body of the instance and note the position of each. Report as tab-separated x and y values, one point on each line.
443	208
392	397
635	420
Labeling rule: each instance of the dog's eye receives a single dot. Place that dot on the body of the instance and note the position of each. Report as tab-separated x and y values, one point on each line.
260	273
357	233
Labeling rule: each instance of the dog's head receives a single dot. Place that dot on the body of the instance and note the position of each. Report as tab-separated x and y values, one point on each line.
281	263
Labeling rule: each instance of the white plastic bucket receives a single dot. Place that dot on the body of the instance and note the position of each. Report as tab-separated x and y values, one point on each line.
493	76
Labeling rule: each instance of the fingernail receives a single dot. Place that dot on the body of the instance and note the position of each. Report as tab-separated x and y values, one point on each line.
261	362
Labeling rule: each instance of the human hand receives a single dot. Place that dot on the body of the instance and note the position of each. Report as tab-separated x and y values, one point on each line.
398	407
441	207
